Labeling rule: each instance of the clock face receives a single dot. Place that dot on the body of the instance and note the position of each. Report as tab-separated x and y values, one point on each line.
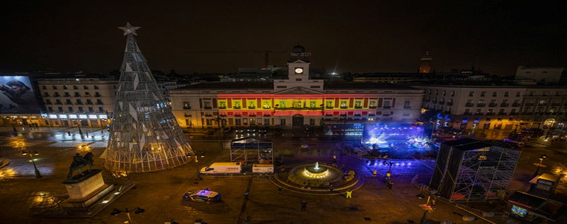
298	70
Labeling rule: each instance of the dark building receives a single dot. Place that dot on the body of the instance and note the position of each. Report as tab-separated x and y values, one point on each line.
473	170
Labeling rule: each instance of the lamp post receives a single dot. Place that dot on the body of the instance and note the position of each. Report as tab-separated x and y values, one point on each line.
541	158
220	122
138	210
31	154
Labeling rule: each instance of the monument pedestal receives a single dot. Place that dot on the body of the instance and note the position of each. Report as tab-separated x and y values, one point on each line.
88	194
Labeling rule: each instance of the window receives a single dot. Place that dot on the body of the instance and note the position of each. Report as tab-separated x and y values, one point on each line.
471	93
436	92
266	121
506	94
372	104
517	94
64	87
207	104
329	104
357	104
43	87
545	93
236	105
282	121
186	105
444	92
312	104
54	87
238	121
100	110
222	104
267	105
283	104
60	109
494	94
85	87
407	105
343	104
70	109
483	94
79	102
386	104
89	101
50	109
91	110
98	101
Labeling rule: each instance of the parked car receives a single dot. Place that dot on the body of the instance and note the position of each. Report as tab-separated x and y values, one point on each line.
206	195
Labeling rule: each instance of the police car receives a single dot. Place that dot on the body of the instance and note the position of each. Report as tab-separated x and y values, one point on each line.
206	195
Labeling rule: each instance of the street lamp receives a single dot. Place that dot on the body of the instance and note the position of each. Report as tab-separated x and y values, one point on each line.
541	158
138	210
31	154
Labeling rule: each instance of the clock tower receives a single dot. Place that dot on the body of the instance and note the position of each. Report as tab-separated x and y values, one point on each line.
298	72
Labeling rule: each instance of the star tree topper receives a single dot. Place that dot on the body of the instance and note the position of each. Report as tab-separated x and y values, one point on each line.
129	29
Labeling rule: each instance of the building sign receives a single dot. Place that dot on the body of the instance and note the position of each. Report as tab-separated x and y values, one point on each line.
519	211
17	95
301	54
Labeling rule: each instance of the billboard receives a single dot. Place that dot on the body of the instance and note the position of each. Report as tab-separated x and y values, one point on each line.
17	95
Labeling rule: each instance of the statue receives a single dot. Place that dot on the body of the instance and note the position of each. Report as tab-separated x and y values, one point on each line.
80	162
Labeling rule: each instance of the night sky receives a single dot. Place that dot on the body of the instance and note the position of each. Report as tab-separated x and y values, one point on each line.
346	36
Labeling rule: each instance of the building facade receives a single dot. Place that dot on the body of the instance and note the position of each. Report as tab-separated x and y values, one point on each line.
496	107
87	102
295	101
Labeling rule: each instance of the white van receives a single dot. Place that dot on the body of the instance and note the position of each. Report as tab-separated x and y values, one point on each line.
222	167
263	168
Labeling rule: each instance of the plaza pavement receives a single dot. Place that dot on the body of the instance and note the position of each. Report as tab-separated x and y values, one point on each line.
159	193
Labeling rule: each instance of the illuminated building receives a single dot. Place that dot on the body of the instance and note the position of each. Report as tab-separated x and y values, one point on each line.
297	100
86	102
496	107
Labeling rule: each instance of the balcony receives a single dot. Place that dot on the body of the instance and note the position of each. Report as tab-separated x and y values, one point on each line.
301	108
490	113
249	107
223	107
357	107
186	108
492	104
555	104
407	107
426	100
480	104
503	113
68	103
58	103
442	102
79	103
514	113
236	107
515	104
504	104
329	107
208	107
386	107
99	103
527	113
89	103
344	107
477	113
56	95
77	95
372	107
46	95
528	104
97	95
49	103
67	95
449	103
467	113
469	105
542	105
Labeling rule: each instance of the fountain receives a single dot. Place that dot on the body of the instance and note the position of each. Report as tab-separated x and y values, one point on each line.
316	171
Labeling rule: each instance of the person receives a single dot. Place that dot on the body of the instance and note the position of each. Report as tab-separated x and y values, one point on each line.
331	188
19	93
280	189
246	195
247	219
303	205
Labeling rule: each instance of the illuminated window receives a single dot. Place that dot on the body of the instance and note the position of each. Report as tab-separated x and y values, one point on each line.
283	104
343	104
186	105
312	104
251	104
266	105
519	211
357	104
222	104
236	105
329	104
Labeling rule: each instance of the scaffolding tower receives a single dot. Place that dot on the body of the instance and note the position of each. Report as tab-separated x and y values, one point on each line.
251	150
473	170
144	134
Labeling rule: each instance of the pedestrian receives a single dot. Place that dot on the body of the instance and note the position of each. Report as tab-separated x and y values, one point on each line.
87	134
69	133
246	195
247	219
303	205
280	189
349	194
199	175
331	188
433	204
101	131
